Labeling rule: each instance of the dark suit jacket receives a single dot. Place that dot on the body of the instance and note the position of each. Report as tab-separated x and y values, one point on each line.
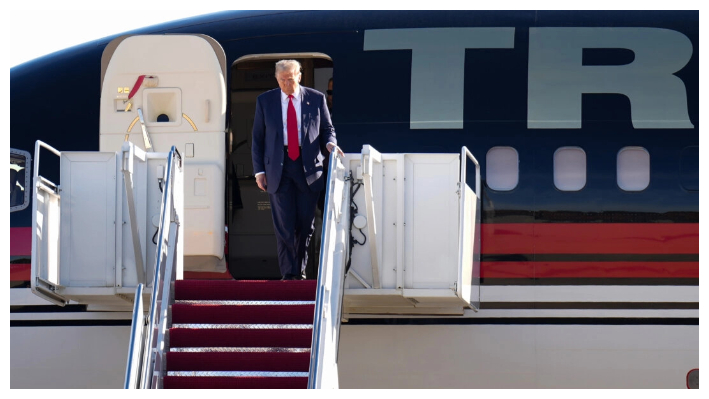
316	131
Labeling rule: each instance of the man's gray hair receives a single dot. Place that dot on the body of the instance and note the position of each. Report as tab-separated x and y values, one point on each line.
288	65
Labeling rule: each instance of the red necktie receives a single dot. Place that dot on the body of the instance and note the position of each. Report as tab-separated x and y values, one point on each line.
293	148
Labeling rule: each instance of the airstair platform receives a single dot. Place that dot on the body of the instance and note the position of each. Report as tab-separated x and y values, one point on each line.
408	230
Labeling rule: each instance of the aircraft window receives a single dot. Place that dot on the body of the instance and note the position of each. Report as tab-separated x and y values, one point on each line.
689	168
19	179
569	169
633	169
502	168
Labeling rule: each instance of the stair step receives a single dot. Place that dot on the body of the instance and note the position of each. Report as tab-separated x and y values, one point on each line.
242	314
255	382
245	290
239	349
238	361
243	303
244	326
278	374
237	337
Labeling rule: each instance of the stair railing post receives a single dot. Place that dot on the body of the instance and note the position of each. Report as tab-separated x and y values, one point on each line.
323	371
128	151
369	156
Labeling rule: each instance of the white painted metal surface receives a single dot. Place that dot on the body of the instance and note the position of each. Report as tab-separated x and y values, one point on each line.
45	238
187	87
93	243
87	243
492	356
69	356
469	232
431	205
417	249
370	156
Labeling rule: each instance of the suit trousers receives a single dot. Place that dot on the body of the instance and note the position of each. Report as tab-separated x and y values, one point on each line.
293	209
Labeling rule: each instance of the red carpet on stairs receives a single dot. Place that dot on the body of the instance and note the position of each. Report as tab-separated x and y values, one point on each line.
245	290
240	334
242	314
251	338
239	361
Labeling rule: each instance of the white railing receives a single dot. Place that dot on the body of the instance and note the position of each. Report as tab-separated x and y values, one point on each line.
331	275
146	365
46	201
465	153
469	230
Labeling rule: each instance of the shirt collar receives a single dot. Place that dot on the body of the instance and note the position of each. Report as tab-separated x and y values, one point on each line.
296	94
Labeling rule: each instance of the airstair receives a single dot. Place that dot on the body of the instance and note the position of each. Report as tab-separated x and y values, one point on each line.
400	236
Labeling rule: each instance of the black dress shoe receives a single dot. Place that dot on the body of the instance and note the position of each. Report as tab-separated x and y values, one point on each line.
290	277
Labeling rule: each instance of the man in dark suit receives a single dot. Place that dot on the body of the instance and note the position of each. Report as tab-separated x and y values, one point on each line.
292	136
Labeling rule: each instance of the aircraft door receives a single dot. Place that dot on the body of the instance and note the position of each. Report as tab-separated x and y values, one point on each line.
163	90
252	242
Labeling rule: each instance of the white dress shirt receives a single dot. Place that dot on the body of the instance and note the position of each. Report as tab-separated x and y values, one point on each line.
284	112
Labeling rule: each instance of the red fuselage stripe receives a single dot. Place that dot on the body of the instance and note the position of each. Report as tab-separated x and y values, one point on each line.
20	241
20	272
590	238
546	238
589	269
529	239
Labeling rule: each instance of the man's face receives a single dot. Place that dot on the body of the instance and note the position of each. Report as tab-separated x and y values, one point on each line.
288	81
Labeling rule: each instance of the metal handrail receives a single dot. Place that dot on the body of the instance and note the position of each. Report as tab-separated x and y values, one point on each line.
161	285
149	373
464	152
330	285
35	172
135	347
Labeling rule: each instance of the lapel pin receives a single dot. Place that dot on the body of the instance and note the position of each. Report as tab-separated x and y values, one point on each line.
307	102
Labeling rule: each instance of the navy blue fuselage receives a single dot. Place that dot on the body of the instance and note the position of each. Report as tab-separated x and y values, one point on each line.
56	99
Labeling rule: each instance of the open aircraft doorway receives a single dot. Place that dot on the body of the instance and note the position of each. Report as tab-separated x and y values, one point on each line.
252	243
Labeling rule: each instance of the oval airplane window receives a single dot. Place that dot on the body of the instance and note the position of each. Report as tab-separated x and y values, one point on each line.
502	168
633	169
569	169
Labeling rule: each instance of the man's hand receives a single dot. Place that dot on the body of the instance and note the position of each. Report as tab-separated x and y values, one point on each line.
330	146
261	181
